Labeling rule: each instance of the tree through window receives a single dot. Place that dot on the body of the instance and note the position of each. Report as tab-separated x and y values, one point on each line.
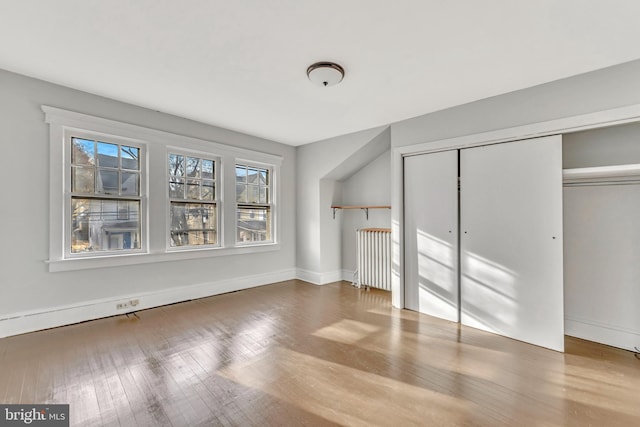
192	195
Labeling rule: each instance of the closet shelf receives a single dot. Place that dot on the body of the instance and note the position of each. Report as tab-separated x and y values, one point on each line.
602	175
365	208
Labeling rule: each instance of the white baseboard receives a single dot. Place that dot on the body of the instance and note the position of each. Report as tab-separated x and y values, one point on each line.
615	336
51	317
347	275
318	278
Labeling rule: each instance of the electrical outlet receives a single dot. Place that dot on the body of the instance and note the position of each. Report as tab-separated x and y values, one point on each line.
128	304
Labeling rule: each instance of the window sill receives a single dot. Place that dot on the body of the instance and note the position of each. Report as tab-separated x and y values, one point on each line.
147	258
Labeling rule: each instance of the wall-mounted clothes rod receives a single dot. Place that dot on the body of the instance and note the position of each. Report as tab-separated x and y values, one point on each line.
600	183
365	208
602	175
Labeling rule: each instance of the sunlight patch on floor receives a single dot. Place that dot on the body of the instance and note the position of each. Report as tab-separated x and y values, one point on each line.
318	386
347	331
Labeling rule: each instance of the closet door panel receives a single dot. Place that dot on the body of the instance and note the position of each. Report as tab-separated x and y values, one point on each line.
431	223
511	241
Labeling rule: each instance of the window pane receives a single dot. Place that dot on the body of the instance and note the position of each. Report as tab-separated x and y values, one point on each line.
241	193
104	225
178	216
124	211
107	155
193	238
82	152
264	176
130	158
252	194
253	224
207	169
252	176
82	180
176	165
130	183
241	174
193	189
176	188
193	167
208	190
107	182
193	224
192	216
264	195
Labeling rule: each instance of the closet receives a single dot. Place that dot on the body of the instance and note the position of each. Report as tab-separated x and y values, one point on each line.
602	235
483	238
431	234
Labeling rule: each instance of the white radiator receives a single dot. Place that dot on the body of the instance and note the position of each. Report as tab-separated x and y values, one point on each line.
373	258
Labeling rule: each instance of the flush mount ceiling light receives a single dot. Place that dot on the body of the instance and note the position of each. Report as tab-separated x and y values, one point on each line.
325	74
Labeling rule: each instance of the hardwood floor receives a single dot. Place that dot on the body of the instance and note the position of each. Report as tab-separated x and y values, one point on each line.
298	354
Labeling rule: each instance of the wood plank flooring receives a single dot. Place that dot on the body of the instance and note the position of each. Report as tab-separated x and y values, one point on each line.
292	353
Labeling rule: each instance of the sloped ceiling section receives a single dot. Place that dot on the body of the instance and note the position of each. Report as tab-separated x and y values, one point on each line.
241	64
362	157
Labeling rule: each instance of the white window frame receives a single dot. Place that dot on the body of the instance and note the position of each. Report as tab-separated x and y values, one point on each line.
271	204
154	244
70	133
216	201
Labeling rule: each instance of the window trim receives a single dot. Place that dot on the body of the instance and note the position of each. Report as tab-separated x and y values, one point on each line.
68	135
273	192
157	142
217	201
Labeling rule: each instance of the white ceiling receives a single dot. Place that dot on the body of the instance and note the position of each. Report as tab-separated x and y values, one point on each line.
241	64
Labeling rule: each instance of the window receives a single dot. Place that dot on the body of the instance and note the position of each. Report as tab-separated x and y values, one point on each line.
192	195
104	199
253	197
122	194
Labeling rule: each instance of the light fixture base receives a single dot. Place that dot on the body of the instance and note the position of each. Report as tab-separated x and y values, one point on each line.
325	73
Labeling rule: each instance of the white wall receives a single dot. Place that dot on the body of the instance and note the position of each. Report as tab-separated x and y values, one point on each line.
371	185
26	286
320	165
602	241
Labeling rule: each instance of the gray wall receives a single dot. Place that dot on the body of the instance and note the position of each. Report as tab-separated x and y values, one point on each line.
599	90
320	165
25	284
617	145
371	185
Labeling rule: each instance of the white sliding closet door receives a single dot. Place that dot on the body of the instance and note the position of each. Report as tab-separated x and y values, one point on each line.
511	240
431	234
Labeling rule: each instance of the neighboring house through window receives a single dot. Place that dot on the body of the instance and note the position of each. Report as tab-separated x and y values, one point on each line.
253	197
105	208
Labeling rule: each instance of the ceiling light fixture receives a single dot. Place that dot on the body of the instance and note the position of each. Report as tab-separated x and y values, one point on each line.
325	74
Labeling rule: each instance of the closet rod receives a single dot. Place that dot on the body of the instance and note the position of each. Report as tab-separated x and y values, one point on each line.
599	183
